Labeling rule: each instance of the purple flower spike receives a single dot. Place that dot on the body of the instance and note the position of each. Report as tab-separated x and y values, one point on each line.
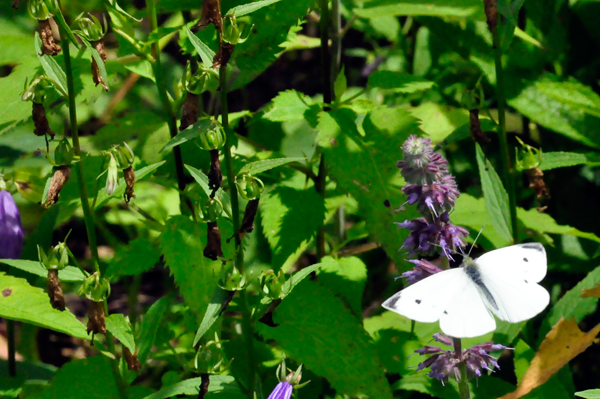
421	165
11	231
283	390
425	236
421	270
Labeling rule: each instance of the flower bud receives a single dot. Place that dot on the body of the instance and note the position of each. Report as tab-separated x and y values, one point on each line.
210	358
273	285
90	27
37	9
211	210
234	33
204	79
95	288
63	153
528	157
231	279
249	187
112	177
213	137
57	258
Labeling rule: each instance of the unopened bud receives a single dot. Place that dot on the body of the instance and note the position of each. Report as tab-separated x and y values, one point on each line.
231	279
59	179
211	138
64	153
112	175
37	9
204	79
249	187
211	210
90	27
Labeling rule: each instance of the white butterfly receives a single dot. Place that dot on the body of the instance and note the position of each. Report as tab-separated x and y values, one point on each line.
503	281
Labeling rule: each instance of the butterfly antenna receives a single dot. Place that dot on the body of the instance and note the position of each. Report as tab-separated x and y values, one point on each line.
474	242
447	251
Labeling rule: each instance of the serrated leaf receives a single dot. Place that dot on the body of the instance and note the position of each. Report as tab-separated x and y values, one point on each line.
290	217
437	8
213	310
202	181
574	94
205	52
22	302
121	329
496	198
289	105
225	384
150	323
589	394
82	377
103	197
246	9
51	67
68	274
559	159
400	82
257	167
190	133
544	223
345	277
299	276
310	321
12	109
139	256
365	167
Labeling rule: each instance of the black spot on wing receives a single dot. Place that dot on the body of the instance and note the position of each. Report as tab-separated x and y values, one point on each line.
525	260
526	282
536	245
418	301
445	312
392	301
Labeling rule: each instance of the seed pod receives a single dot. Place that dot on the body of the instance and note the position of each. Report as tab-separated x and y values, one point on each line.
97	319
55	292
475	127
59	179
248	219
491	12
129	175
49	46
190	111
223	55
215	176
40	122
133	363
536	182
211	14
99	46
213	245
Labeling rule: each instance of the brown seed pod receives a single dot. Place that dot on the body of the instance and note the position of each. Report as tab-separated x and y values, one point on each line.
248	219
536	182
59	179
133	363
49	46
491	12
223	55
99	46
55	292
475	127
211	14
40	121
213	245
190	111
215	176
96	318
129	176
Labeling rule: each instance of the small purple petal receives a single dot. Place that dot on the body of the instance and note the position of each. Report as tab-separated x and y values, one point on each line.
283	390
11	230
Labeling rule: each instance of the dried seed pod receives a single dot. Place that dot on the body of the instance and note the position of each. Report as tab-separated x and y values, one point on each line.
40	121
248	220
55	292
475	127
223	55
215	176
129	176
133	363
536	182
213	245
491	12
190	111
211	14
59	179
49	46
99	46
96	318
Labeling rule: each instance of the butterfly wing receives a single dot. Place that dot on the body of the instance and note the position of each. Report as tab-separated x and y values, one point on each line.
511	275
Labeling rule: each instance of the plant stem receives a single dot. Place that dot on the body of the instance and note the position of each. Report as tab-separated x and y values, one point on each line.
12	352
83	194
336	39
166	103
463	385
114	363
506	162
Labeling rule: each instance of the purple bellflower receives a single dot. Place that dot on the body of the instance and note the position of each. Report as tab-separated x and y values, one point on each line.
283	390
288	381
11	230
445	363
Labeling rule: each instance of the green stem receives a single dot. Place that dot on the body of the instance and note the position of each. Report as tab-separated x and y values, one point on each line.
114	363
164	99
505	153
463	385
87	211
320	187
12	352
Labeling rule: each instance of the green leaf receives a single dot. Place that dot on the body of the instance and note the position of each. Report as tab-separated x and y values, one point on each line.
103	197
205	52
120	327
139	256
437	8
91	378
496	198
202	181
400	82
150	323
290	218
421	382
340	85
574	94
68	274
12	109
365	167
246	9
22	302
51	67
299	276
190	133
314	328
289	105
559	159
544	223
345	277
224	384
589	394
257	167
213	310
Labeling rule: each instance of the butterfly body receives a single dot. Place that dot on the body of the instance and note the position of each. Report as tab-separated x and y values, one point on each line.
502	282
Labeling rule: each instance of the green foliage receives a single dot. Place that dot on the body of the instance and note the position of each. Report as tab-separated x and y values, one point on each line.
399	82
559	159
589	394
257	167
289	105
223	384
213	311
309	323
438	8
345	277
68	274
139	256
120	327
147	332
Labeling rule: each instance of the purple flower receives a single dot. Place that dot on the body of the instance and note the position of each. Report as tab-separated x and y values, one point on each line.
421	270
445	363
425	236
283	390
421	165
433	199
11	231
